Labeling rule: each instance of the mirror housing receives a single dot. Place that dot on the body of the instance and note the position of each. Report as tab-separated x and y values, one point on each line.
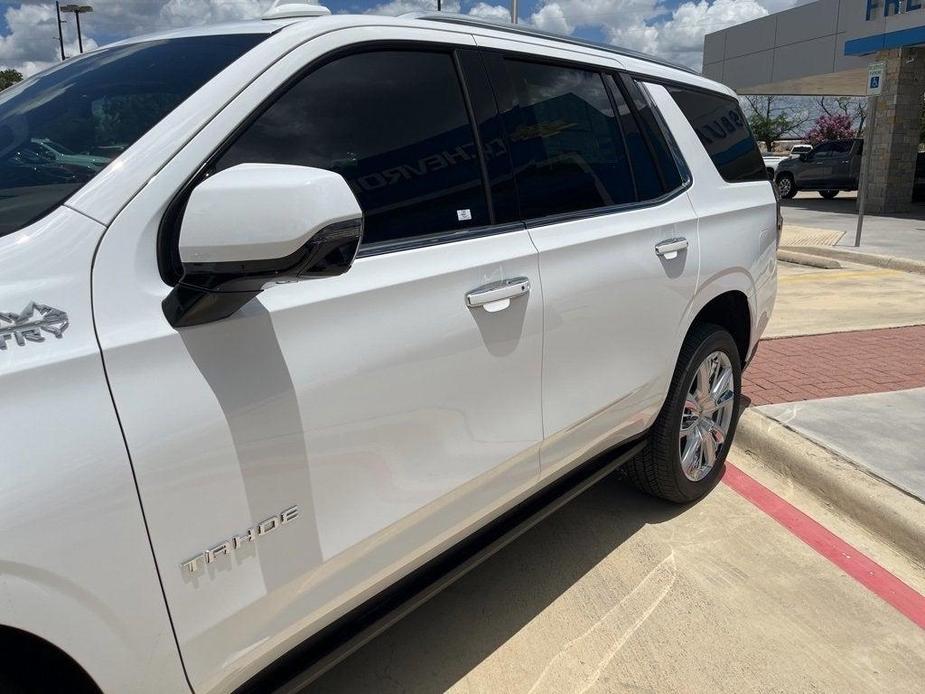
258	224
804	156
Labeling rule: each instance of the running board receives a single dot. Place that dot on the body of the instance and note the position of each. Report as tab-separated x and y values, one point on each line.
325	649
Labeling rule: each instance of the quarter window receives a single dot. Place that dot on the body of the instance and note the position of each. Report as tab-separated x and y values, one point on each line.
724	132
394	125
566	147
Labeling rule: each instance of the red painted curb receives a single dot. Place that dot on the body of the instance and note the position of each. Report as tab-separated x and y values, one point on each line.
860	567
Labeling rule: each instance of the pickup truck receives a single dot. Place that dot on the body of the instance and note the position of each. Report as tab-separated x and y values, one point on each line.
831	167
771	162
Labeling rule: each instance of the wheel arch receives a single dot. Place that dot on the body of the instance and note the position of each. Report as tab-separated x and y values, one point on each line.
25	653
730	310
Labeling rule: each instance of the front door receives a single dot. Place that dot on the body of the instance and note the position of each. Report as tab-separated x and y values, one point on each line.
375	416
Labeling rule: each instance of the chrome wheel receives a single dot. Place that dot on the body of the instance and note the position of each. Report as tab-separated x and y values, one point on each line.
784	185
706	417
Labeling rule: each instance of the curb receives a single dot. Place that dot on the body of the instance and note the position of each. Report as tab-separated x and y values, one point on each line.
789	256
882	509
885	261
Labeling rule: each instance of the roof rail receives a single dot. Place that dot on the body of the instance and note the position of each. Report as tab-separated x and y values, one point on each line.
469	20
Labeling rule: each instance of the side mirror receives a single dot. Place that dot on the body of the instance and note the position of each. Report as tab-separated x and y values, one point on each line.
804	156
258	224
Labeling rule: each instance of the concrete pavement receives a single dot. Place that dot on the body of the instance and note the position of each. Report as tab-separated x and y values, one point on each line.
882	432
900	235
855	297
619	592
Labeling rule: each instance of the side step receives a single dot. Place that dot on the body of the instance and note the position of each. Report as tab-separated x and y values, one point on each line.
319	653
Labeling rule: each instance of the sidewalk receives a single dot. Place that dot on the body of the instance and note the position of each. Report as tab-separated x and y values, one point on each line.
859	394
843	360
900	235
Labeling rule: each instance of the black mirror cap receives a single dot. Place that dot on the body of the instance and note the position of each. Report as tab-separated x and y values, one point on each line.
209	292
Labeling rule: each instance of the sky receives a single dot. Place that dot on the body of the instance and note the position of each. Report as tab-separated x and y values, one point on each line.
671	29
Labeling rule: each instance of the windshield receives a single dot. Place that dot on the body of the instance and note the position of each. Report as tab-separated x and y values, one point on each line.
61	127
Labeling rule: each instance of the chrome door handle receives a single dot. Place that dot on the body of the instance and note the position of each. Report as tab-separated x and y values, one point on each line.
669	248
497	295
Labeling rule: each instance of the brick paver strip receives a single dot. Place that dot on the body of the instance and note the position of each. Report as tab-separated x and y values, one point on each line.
824	366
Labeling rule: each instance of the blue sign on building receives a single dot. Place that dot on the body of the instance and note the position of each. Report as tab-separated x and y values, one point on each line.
891	7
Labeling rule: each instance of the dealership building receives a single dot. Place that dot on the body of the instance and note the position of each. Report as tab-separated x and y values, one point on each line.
823	49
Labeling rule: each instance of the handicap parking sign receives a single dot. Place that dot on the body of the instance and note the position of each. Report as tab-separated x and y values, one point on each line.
875	78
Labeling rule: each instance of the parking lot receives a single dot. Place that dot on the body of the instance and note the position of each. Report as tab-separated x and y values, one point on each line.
620	592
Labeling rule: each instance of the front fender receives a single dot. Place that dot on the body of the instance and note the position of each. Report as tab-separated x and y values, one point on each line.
76	567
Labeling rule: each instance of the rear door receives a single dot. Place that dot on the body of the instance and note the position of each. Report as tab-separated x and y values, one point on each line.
600	191
390	411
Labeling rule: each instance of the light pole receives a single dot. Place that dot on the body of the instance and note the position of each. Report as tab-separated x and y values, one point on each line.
60	33
77	10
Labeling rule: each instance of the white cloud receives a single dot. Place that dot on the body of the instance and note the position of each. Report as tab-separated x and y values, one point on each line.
649	26
397	7
499	13
31	42
480	9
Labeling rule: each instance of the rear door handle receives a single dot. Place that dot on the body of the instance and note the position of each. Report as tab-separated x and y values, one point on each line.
497	296
669	248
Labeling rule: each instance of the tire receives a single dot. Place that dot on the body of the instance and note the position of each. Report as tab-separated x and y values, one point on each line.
657	470
786	186
828	194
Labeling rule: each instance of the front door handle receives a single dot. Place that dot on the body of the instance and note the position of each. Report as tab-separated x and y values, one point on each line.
497	296
669	248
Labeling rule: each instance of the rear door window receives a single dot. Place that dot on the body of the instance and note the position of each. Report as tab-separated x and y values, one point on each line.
566	147
394	124
724	132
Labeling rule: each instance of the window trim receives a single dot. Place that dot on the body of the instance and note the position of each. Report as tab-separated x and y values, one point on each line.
436	239
168	231
605	211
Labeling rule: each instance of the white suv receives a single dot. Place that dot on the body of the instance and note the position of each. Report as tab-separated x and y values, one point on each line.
360	298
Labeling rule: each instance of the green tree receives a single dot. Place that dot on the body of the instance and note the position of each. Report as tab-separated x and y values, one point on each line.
771	118
8	78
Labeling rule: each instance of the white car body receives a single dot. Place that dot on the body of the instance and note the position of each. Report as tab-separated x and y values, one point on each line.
396	419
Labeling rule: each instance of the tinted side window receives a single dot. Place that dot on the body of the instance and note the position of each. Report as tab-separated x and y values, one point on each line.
656	134
645	169
395	126
724	132
566	147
